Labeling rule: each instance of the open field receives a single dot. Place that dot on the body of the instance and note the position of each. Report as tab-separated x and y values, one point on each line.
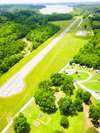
16	68
52	63
94	83
49	123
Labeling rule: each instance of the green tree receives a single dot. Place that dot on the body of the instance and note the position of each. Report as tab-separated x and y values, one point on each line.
94	112
64	122
68	86
46	100
57	79
45	84
86	97
20	124
66	106
79	93
78	104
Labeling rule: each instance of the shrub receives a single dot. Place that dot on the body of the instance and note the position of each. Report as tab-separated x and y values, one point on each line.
78	104
79	93
86	97
94	112
68	86
21	125
57	79
46	100
64	122
45	84
66	106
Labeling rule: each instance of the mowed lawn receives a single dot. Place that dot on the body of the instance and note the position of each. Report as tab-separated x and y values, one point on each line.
50	123
53	62
94	83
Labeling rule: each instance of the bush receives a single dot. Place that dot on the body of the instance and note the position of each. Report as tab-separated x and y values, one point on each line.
68	86
66	106
78	104
57	79
64	122
86	97
94	112
45	84
21	125
91	130
46	100
79	93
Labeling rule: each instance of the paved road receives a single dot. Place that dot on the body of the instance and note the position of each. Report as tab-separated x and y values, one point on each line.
93	93
15	84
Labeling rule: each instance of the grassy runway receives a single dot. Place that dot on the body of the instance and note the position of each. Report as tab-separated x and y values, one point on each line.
53	62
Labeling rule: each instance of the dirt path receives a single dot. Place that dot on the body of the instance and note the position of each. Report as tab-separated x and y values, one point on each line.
88	121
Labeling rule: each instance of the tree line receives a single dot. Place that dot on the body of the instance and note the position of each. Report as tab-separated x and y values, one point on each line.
41	34
89	55
19	24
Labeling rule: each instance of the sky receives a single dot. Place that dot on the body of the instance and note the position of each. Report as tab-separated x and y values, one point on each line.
41	1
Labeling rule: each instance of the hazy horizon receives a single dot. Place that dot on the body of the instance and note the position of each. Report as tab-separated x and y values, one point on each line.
42	1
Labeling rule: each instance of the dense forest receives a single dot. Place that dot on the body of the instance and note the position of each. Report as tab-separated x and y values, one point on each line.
57	17
89	55
18	7
39	35
14	26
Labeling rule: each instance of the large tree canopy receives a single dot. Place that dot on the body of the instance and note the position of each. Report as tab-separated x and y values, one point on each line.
21	125
14	26
89	55
46	100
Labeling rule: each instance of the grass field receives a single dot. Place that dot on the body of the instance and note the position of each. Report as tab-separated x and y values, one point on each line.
80	76
53	62
50	123
94	83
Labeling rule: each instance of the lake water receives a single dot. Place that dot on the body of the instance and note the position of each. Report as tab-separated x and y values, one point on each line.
49	9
